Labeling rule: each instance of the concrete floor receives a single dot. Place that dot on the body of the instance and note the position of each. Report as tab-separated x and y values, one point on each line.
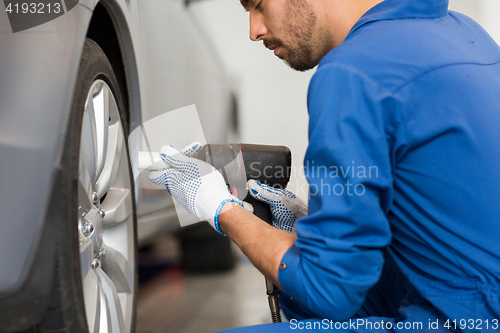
173	301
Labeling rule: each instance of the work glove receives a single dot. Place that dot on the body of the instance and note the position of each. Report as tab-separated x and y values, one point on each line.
285	206
196	185
191	149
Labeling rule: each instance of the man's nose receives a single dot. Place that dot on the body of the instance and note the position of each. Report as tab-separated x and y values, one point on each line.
258	29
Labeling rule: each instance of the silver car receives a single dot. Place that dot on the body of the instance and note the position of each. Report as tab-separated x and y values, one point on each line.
71	91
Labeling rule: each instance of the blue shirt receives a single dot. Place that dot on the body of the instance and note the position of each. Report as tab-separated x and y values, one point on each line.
404	155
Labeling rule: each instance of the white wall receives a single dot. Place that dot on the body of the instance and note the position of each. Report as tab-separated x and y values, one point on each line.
272	97
485	12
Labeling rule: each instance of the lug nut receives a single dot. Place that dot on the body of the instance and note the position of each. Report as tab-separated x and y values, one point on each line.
102	213
95	264
94	197
87	228
102	253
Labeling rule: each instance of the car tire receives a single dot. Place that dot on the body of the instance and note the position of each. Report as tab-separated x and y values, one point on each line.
204	250
95	275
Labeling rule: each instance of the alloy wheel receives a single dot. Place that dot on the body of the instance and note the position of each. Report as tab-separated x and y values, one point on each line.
105	216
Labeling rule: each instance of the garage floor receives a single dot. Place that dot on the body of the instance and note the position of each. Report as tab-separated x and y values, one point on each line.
173	301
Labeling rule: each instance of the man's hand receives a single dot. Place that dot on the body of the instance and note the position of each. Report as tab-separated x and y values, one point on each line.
285	206
196	185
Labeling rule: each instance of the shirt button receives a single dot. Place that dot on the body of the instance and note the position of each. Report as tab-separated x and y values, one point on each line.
282	266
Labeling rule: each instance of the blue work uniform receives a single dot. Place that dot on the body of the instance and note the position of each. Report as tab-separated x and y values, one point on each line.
404	171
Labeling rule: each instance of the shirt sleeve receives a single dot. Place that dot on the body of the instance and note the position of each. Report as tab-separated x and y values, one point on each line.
337	257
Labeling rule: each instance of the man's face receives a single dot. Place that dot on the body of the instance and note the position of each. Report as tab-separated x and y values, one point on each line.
291	29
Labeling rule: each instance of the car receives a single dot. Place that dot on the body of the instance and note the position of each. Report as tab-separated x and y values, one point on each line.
73	87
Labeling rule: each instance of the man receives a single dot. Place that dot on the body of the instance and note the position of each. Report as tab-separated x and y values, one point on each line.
409	90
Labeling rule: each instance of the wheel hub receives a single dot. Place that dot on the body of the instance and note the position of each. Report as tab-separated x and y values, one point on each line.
92	228
87	228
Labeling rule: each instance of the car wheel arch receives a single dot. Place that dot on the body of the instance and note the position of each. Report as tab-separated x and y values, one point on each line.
108	27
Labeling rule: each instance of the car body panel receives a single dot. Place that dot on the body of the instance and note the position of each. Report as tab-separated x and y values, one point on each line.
37	71
183	54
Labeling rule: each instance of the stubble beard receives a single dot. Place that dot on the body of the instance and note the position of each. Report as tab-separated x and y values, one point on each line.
311	44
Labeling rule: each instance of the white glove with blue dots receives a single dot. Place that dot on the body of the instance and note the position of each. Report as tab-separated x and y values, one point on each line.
196	185
285	206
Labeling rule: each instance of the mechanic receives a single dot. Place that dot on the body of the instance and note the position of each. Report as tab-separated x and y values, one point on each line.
412	91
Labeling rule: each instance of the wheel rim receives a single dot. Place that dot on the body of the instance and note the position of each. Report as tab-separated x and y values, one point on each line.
105	217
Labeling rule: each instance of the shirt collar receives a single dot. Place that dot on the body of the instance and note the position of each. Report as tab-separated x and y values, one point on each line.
401	9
